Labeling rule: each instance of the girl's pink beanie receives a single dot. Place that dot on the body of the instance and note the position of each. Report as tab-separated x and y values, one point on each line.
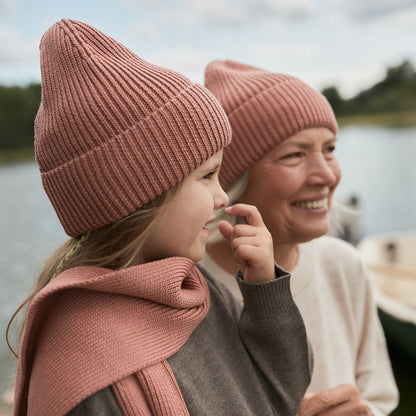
114	131
263	109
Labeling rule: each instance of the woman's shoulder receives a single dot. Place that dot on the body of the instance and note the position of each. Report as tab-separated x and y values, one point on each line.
332	263
332	255
328	246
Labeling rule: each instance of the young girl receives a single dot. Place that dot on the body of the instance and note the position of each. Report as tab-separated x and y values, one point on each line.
122	321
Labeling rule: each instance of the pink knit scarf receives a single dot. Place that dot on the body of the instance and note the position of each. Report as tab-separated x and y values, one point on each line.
93	327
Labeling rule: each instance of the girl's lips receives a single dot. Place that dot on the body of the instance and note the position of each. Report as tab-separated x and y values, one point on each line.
205	230
210	221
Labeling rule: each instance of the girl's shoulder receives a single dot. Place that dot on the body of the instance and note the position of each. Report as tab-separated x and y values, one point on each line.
101	403
220	294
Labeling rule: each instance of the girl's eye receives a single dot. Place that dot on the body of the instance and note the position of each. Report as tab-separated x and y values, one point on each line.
208	175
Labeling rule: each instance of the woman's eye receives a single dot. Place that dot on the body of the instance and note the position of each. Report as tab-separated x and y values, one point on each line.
292	155
330	149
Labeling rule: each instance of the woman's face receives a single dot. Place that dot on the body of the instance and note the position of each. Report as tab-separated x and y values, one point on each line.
183	231
293	185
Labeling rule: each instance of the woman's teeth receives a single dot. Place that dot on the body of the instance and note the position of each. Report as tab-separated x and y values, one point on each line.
313	204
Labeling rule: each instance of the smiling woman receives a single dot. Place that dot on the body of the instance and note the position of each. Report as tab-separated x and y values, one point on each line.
281	159
302	175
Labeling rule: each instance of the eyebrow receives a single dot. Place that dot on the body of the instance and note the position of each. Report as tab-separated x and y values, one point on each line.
217	166
211	168
305	145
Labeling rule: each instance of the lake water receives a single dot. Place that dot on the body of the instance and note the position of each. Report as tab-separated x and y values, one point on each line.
378	167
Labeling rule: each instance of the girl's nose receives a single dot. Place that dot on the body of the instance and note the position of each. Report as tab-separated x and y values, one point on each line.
221	198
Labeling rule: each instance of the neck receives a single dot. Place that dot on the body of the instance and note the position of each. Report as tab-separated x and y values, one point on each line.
286	256
222	254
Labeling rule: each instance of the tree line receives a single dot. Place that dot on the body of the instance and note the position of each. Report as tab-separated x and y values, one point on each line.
395	93
18	107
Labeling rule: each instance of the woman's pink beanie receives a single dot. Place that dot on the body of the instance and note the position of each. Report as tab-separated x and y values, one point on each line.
114	131
264	109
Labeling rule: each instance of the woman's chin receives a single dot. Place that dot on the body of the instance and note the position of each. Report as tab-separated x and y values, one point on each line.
308	234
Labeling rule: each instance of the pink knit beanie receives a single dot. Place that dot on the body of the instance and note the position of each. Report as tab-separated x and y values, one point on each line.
264	109
114	131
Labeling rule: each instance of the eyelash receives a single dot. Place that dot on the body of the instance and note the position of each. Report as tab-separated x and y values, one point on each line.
209	175
292	155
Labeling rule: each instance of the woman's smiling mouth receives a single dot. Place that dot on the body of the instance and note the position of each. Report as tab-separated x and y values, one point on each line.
317	204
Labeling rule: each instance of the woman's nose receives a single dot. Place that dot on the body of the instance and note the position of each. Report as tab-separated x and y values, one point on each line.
322	172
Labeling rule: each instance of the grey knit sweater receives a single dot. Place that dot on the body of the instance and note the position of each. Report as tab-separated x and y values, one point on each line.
254	361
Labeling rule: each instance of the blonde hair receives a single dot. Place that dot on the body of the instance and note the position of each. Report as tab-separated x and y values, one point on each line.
114	246
234	194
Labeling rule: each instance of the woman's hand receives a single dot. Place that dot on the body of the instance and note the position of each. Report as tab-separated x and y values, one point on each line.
343	400
251	243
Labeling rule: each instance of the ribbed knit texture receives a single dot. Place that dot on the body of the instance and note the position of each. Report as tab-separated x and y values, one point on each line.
264	109
114	131
161	396
91	327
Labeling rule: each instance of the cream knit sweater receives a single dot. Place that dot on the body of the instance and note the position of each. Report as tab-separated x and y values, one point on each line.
334	296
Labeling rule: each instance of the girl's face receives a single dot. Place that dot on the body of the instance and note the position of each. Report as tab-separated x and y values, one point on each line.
292	186
183	230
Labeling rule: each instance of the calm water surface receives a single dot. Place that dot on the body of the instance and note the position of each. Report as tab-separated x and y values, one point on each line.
378	167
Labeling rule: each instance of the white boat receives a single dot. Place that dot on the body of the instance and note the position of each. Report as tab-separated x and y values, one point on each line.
391	263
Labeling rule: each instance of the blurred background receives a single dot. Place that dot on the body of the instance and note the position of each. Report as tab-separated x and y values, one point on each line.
360	54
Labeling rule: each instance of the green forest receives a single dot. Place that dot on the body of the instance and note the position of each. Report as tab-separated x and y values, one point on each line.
390	102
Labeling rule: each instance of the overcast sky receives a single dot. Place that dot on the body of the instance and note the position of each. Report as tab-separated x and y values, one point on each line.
347	43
